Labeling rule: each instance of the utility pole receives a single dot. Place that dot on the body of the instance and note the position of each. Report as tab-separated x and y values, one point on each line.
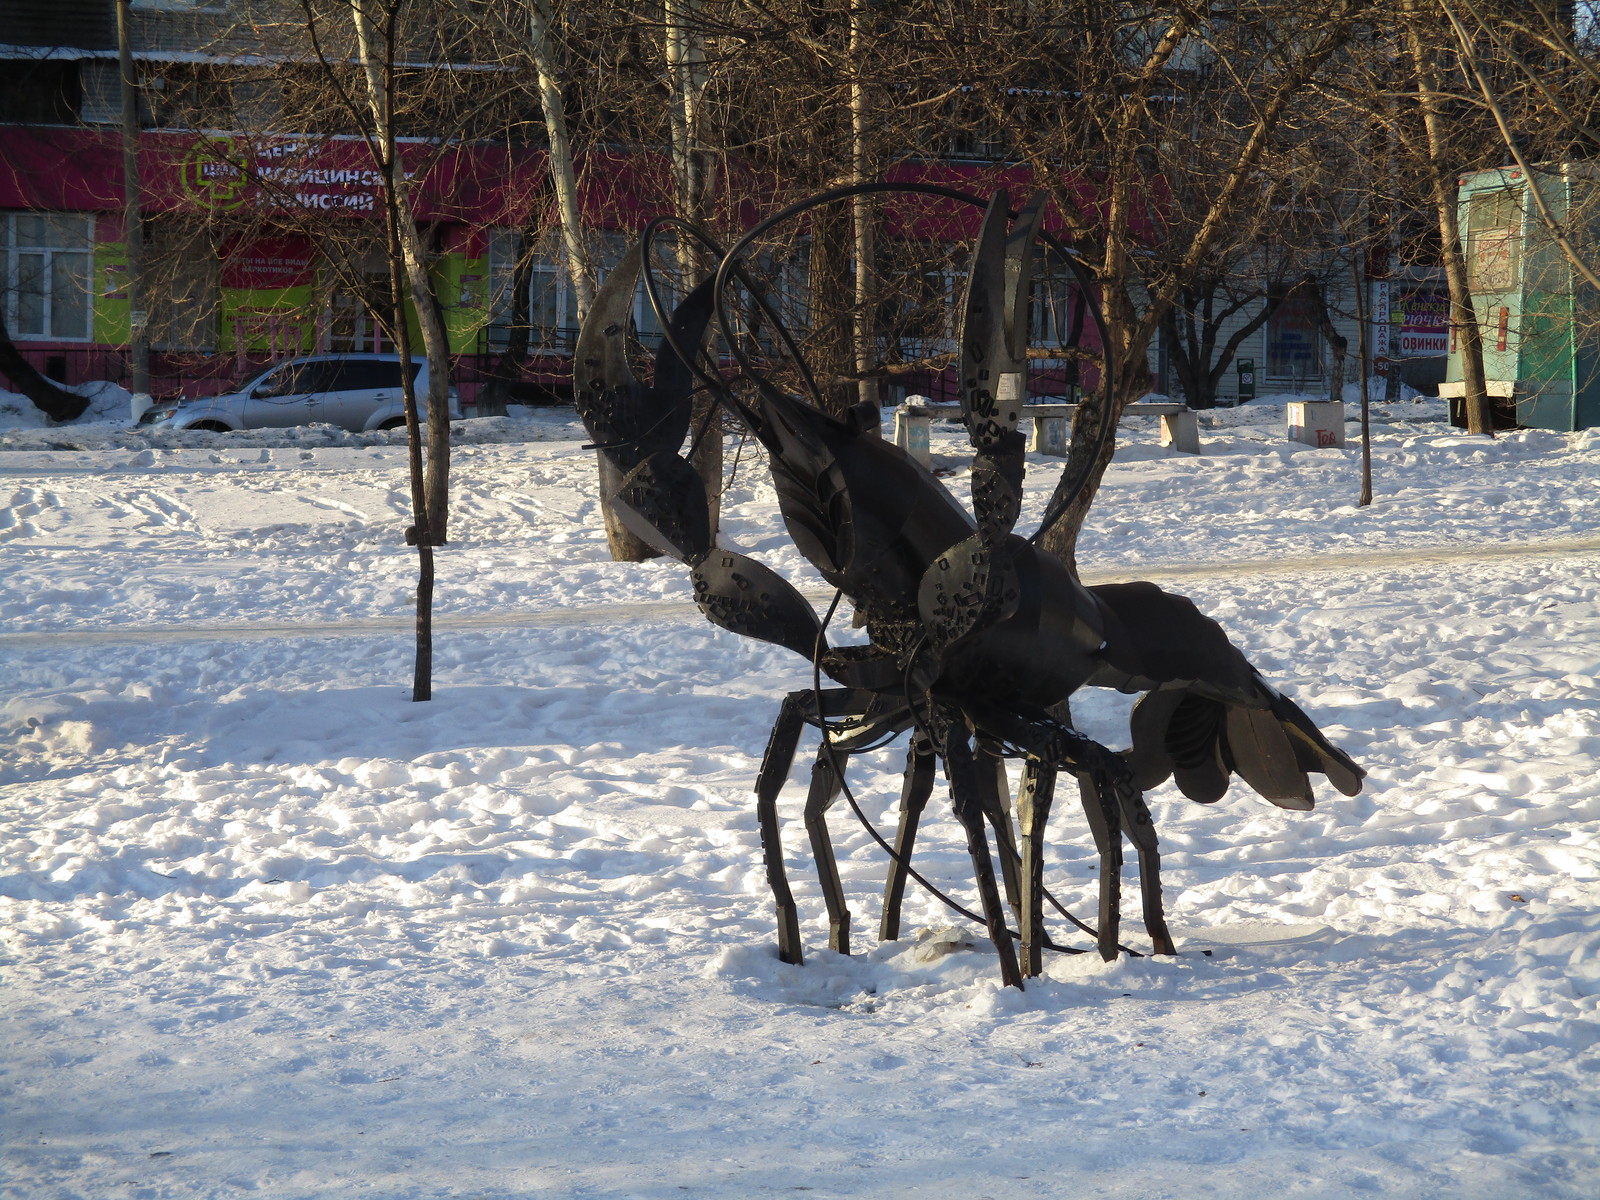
133	222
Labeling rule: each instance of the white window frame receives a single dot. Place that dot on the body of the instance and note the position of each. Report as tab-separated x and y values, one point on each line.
47	293
550	276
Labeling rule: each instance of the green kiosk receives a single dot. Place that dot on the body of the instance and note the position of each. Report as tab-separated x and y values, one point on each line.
1540	323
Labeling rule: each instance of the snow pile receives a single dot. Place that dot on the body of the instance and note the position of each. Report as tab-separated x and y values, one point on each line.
269	927
108	405
107	424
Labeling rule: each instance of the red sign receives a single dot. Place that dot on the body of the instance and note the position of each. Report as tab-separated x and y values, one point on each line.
1421	315
267	263
80	170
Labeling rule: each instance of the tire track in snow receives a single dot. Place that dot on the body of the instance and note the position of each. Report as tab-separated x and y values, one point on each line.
667	610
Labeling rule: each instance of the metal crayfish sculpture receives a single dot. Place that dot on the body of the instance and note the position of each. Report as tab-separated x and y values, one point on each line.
975	633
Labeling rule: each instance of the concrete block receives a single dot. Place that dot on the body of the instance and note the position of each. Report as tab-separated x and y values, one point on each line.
911	430
1181	431
1050	436
1316	422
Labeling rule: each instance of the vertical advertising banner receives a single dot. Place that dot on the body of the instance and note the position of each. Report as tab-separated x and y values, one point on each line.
1419	321
1378	309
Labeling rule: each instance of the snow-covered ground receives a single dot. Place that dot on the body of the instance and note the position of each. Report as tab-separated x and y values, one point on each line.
269	928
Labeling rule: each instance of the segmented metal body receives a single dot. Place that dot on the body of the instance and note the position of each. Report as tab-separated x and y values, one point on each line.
974	632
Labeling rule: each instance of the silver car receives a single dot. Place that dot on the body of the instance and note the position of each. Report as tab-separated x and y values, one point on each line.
353	391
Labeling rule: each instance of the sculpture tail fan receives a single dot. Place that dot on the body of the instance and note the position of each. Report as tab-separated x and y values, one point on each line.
1202	740
1207	714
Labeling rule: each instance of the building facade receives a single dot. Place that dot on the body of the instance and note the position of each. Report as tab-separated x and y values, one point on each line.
260	246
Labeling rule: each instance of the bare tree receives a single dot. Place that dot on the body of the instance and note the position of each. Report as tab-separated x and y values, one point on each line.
1441	168
377	28
601	80
346	79
1523	63
1211	318
1155	128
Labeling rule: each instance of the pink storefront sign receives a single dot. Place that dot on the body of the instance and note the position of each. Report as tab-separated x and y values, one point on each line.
80	170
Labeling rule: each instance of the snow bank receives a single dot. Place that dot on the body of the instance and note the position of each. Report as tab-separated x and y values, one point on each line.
271	928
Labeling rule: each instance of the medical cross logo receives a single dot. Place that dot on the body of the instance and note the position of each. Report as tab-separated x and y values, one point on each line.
211	174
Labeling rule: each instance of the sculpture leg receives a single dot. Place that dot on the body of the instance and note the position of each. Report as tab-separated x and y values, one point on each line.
1142	833
914	793
1060	745
996	793
1100	810
825	788
774	770
1033	812
966	793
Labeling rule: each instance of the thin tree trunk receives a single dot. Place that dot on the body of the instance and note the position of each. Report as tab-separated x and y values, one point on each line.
1338	344
685	61
436	346
1463	320
397	218
419	535
861	215
832	334
686	71
1363	349
624	546
133	220
563	175
379	76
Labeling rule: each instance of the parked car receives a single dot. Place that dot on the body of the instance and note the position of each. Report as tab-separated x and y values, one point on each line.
353	391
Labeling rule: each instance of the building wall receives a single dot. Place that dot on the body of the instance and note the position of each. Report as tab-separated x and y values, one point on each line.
1281	373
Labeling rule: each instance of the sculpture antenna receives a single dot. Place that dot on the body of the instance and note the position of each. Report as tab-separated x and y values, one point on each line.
974	634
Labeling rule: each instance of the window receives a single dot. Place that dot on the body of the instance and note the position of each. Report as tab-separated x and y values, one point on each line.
361	374
613	247
552	311
1055	310
356	316
548	301
549	312
291	379
182	280
1294	341
1494	240
46	261
41	93
914	288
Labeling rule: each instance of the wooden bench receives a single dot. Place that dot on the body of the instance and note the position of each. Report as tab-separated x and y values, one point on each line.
1180	427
